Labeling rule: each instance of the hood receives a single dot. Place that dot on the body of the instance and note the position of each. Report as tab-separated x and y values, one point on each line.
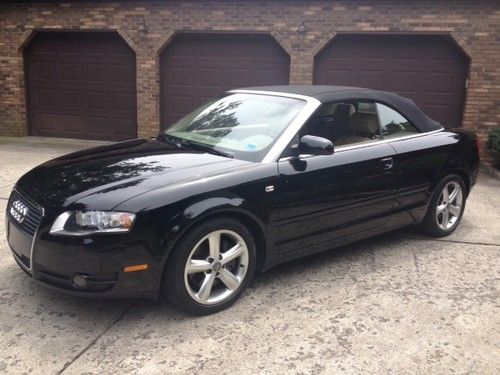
112	174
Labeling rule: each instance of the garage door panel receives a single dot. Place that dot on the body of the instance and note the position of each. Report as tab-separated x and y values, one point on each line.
423	68
91	77
407	82
408	75
44	71
240	76
437	109
262	75
69	98
437	99
181	104
181	76
371	78
94	46
122	73
441	83
372	63
95	72
96	100
97	127
404	64
121	127
45	98
70	72
121	102
341	78
50	123
208	77
198	67
205	48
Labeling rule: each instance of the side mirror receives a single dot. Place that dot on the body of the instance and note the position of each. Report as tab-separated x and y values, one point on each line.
310	144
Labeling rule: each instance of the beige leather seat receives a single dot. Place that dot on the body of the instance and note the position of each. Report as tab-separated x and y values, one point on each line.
363	126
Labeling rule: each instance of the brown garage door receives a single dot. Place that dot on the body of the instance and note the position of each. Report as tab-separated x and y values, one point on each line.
198	67
427	69
81	85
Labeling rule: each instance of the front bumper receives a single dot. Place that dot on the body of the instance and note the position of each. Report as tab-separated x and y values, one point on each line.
54	261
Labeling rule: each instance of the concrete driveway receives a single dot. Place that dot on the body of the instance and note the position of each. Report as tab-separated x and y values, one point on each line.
398	303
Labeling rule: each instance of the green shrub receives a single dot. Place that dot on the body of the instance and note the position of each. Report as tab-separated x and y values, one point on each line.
493	145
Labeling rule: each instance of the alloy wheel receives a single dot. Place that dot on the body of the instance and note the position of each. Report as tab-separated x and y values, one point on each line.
449	207
216	267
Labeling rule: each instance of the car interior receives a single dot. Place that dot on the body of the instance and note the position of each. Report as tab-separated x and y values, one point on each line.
345	123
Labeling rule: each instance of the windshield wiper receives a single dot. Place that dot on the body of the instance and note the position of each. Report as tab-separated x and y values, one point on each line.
204	147
169	139
180	142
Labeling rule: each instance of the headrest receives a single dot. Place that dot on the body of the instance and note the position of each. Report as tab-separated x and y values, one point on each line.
342	111
363	123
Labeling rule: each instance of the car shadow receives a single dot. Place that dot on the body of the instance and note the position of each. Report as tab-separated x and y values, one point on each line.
355	251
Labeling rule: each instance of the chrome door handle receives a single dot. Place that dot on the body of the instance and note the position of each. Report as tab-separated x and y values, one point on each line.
387	163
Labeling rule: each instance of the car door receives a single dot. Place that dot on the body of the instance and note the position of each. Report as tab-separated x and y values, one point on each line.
417	156
325	199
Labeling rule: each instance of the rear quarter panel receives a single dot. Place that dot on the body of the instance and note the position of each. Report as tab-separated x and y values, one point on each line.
423	161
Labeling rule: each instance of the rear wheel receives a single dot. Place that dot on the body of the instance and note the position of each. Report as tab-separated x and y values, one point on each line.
210	267
446	207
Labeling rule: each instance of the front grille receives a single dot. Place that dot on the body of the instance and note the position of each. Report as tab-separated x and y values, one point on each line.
24	213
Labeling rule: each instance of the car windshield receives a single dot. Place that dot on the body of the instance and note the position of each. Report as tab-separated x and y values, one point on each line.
244	126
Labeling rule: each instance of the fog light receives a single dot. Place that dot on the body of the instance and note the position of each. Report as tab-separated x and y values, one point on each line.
81	281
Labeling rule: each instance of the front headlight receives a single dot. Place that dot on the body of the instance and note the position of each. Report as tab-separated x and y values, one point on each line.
81	223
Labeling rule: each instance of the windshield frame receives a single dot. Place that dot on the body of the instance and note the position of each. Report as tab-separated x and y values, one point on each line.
290	130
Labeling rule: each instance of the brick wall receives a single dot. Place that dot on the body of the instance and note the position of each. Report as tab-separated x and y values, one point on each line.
147	27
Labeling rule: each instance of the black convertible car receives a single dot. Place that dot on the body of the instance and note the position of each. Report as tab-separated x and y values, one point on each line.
251	179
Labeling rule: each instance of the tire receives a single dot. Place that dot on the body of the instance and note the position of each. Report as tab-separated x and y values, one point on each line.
203	286
437	224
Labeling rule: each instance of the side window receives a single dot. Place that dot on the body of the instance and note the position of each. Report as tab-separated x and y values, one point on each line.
344	123
393	124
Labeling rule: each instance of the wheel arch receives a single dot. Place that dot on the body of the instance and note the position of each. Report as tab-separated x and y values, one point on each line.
454	163
250	220
464	177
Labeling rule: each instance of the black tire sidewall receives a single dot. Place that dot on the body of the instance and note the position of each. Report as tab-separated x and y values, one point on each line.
173	285
430	225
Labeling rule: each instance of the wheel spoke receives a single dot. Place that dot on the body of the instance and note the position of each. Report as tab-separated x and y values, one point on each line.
229	279
206	287
446	218
453	195
441	208
214	245
454	210
446	195
232	253
195	266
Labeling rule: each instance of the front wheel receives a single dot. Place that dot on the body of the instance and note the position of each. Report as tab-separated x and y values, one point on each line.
446	207
210	267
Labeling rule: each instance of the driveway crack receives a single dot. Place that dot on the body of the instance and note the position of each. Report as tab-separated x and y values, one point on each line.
456	241
92	343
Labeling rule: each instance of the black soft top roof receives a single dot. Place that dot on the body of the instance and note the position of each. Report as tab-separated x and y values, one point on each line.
326	94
